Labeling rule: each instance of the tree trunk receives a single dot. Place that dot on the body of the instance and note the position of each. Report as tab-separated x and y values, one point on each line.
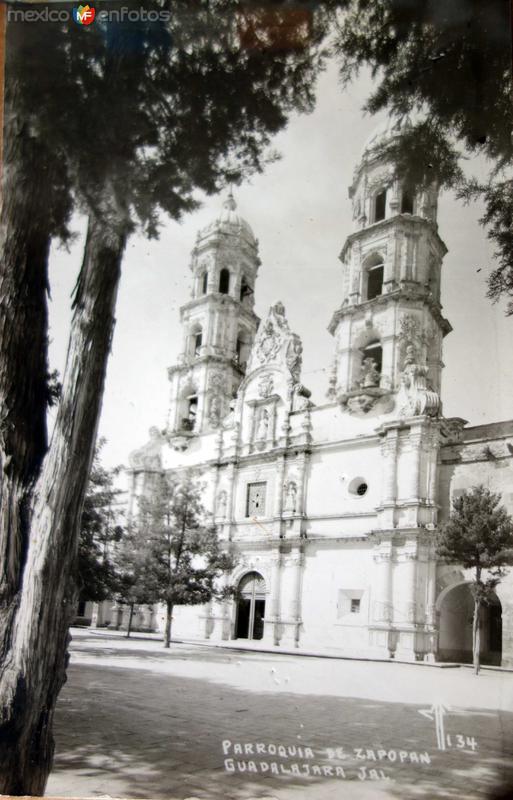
34	668
476	635
169	620
130	618
24	246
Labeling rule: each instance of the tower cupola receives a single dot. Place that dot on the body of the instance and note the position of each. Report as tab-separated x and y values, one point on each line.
218	324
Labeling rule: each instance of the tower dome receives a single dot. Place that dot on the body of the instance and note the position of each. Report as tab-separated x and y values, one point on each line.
385	133
228	221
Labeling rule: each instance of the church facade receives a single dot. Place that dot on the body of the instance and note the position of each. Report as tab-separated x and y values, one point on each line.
331	509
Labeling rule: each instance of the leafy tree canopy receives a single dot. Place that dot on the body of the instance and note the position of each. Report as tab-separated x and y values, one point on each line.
479	533
174	549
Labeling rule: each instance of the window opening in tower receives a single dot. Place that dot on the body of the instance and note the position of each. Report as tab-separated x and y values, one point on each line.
224	281
380	203
375	281
407	202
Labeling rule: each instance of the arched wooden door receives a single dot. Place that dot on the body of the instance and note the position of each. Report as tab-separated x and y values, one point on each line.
250	607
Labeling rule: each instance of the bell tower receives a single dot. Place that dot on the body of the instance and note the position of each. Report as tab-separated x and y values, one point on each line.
389	328
218	323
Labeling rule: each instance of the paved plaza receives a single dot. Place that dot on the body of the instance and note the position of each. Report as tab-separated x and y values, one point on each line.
135	720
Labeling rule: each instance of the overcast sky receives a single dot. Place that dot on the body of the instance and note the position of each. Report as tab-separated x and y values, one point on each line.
300	212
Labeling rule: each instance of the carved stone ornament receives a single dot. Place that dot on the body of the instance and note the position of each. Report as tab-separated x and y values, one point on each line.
269	343
216	382
294	357
265	386
452	429
149	455
413	338
214	411
415	396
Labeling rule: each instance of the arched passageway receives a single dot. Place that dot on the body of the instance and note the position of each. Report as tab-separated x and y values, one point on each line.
455	627
250	597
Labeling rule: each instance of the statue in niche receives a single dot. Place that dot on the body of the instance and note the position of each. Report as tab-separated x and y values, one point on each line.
222	499
290	496
370	374
263	425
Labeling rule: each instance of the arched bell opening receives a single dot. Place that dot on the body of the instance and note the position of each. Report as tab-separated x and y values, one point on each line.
224	281
371	364
195	341
380	205
374	274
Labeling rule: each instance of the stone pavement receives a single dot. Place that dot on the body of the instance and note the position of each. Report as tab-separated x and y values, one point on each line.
136	720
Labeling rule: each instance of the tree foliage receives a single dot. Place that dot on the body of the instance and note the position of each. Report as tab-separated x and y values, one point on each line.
479	536
179	548
447	66
100	532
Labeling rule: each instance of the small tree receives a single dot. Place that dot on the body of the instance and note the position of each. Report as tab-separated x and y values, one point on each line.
134	578
185	559
479	536
100	531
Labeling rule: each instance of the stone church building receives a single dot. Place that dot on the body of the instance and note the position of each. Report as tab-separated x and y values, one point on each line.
332	508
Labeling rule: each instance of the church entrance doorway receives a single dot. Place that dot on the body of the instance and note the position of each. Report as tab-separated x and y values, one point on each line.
250	596
455	638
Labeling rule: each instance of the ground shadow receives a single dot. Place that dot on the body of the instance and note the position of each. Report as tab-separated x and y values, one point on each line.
135	733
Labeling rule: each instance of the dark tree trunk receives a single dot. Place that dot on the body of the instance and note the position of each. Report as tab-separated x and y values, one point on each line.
24	247
169	621
476	635
34	667
130	618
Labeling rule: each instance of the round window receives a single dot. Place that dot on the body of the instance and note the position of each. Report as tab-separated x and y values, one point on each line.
358	487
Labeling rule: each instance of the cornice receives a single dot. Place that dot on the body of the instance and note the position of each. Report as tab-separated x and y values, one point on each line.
398	220
413	292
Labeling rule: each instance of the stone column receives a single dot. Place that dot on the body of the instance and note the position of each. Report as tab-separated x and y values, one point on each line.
278	499
230	505
408	583
389	450
301	466
272	626
295	570
408	637
355	274
382	611
413	486
431	615
389	466
295	601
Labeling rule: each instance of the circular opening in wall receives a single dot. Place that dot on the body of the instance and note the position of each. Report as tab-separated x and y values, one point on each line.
358	487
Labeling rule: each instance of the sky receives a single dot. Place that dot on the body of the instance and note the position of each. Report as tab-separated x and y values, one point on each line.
300	212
